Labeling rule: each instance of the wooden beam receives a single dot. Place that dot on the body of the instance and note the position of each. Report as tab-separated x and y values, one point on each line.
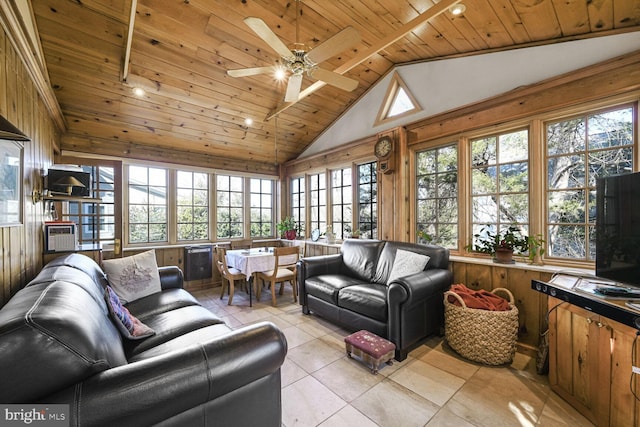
396	35
127	47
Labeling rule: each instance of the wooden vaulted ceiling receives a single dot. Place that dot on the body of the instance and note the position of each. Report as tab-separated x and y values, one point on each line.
193	112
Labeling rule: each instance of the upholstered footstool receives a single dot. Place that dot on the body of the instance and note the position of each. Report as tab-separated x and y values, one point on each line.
373	349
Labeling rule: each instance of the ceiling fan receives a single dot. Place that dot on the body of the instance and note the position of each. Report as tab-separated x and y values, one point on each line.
297	60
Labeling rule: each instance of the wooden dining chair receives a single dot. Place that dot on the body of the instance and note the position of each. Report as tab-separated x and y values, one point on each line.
241	244
228	275
284	271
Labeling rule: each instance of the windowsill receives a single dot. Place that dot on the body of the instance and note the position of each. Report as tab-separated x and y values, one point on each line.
544	268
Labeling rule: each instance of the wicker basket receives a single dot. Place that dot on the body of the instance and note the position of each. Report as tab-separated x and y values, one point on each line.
483	336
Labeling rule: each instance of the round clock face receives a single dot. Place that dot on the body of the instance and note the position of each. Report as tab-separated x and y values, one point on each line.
383	147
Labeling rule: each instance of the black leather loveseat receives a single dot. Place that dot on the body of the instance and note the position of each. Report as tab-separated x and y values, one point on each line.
352	290
59	345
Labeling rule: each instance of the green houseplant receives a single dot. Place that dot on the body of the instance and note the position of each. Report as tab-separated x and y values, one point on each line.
287	228
501	246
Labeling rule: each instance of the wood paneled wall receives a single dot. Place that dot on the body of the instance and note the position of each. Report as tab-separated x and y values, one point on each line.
22	246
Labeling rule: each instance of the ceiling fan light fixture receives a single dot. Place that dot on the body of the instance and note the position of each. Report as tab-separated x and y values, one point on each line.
457	9
280	73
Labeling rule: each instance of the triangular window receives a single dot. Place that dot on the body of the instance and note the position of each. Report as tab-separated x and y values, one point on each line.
398	102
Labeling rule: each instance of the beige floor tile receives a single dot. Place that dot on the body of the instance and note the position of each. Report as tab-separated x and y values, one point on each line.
496	397
290	372
446	418
308	403
315	354
347	378
430	382
296	337
348	416
450	363
558	412
390	404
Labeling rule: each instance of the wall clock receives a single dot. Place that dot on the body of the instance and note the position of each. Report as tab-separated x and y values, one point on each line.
384	151
384	147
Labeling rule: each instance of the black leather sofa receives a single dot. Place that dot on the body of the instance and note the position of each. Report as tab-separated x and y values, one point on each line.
351	289
58	345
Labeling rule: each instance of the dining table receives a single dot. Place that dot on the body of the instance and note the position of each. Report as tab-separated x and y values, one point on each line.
251	261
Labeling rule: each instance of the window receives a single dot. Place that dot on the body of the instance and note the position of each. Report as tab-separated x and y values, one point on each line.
500	182
298	202
147	204
341	202
437	195
368	200
318	202
580	150
229	206
192	204
96	221
261	194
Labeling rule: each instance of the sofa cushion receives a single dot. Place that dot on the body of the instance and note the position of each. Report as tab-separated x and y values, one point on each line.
170	325
133	277
79	263
128	325
438	257
161	302
360	257
183	341
327	286
367	299
53	335
407	263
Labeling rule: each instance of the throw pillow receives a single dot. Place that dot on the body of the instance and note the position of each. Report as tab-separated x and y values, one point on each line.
128	325
133	277
406	263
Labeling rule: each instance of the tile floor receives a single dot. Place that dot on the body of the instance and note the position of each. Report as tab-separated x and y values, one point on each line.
433	387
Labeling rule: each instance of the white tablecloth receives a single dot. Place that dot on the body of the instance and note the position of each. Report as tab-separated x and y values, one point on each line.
253	260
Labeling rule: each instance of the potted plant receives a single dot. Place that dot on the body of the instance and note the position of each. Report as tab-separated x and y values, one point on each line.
500	245
331	238
355	234
287	228
424	236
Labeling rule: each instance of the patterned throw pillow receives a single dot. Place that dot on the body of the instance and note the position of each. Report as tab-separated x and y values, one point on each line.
133	277
407	263
128	325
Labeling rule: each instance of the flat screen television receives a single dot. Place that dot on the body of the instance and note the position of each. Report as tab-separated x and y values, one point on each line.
56	175
618	228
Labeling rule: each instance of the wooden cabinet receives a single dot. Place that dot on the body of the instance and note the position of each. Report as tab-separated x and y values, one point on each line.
590	364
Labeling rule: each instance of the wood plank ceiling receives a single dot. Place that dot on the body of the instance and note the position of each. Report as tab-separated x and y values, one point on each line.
193	111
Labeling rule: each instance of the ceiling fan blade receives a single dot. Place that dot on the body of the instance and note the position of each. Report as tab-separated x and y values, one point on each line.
336	44
244	72
264	32
334	79
293	88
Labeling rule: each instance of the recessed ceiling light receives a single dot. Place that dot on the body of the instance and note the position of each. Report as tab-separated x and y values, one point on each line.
457	9
138	91
248	121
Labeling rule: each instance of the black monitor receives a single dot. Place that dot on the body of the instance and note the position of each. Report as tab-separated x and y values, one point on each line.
618	228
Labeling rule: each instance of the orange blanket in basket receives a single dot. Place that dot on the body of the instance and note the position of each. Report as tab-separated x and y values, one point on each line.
480	299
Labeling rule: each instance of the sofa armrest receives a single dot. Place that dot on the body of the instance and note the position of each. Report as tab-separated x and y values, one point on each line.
417	287
171	277
155	389
319	265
